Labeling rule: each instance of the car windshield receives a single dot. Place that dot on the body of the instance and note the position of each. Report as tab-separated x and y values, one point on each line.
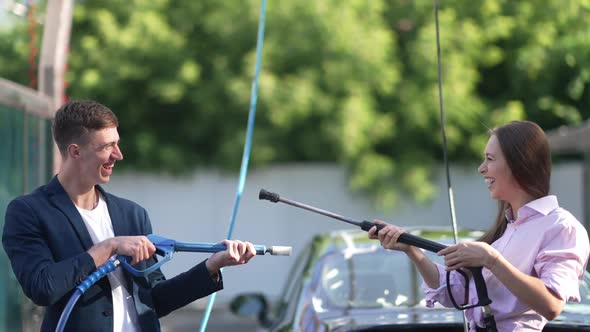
375	278
584	294
367	276
367	280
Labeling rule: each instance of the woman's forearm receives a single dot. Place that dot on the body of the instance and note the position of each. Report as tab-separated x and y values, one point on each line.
530	290
425	266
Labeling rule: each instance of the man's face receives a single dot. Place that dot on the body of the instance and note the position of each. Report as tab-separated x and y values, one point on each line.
98	156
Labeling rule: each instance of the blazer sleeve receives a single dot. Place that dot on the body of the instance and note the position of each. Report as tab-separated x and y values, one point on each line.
43	280
170	294
183	289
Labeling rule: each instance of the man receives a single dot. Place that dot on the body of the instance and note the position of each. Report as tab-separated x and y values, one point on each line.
61	232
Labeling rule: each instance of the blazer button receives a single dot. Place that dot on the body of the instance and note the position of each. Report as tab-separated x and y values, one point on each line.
108	312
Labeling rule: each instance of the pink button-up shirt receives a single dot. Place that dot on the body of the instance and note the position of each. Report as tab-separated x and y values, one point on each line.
545	241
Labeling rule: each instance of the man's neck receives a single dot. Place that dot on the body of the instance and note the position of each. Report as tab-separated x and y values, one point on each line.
83	195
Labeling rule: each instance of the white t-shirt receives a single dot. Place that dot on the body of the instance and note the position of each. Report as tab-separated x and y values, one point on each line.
99	225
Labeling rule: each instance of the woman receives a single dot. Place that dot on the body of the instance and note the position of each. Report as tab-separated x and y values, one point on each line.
532	256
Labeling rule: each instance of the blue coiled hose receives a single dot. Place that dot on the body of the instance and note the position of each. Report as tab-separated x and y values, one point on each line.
102	271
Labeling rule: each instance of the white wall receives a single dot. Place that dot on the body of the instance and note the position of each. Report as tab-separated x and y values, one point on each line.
198	209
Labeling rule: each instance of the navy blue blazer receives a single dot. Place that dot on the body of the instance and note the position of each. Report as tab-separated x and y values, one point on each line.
47	241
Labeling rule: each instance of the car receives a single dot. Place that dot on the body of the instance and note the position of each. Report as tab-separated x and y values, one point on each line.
344	281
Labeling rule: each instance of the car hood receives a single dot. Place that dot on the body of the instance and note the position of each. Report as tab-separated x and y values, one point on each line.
354	319
357	319
573	314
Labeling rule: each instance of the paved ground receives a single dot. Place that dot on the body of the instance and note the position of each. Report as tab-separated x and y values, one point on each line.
187	319
221	320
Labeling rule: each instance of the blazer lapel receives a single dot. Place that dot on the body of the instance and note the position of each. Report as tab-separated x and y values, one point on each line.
59	198
120	225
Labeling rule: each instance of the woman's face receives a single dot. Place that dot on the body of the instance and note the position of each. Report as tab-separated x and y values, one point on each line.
497	174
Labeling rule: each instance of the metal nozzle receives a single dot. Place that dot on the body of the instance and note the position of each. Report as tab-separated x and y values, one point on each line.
280	250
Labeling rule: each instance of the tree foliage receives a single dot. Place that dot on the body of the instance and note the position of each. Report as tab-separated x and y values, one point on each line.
353	82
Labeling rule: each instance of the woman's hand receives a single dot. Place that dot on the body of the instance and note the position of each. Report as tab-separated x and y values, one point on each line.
468	254
388	236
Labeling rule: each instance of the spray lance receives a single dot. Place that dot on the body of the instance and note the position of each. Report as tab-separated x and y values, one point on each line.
165	248
476	272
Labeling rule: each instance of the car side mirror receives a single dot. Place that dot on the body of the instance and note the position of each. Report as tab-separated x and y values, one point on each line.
250	305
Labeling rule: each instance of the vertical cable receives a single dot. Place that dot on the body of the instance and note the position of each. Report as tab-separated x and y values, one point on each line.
442	125
247	146
444	136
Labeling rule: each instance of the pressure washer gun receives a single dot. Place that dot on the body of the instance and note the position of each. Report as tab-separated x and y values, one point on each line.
165	248
480	285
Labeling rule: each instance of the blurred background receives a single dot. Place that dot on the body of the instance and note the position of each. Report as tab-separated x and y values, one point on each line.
347	117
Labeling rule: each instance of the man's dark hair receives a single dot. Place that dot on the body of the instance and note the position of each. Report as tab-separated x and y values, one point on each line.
75	119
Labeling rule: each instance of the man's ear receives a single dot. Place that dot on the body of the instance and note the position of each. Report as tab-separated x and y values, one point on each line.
73	151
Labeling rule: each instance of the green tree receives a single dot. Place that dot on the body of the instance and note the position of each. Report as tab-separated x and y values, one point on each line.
353	82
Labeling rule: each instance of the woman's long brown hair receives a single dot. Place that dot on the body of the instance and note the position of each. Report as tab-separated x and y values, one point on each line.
526	150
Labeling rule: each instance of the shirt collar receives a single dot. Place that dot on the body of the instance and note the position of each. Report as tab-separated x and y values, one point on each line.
543	205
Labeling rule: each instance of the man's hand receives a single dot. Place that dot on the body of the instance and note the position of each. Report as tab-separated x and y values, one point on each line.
237	253
139	248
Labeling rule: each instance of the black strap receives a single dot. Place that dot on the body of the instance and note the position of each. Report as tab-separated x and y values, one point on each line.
477	328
